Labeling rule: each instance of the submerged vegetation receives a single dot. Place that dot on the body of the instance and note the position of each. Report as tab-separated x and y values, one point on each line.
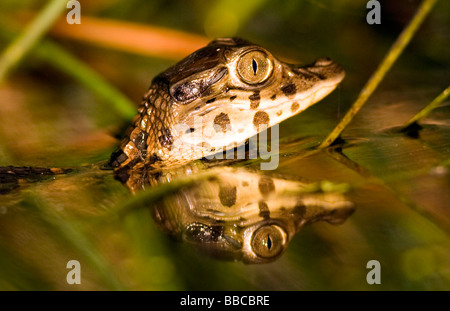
67	91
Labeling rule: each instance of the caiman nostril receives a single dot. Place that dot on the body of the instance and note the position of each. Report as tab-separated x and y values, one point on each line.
323	61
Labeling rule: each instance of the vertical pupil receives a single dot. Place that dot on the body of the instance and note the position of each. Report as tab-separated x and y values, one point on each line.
254	66
269	242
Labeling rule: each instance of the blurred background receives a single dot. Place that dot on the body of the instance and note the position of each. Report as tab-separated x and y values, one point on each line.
66	102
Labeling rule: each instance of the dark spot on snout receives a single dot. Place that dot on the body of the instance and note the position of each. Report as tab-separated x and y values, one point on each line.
294	107
289	89
227	196
266	185
261	117
221	121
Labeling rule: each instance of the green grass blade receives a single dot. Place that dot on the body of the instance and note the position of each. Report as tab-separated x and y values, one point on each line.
30	36
64	61
428	108
56	56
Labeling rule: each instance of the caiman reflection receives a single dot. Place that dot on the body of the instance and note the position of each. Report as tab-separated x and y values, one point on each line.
243	215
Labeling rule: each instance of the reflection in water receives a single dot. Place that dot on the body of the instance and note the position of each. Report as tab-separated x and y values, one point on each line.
243	215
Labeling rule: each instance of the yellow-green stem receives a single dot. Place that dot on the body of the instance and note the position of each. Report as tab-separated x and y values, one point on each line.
390	58
12	55
428	108
66	62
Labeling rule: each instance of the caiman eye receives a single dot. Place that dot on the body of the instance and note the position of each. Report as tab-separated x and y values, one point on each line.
268	241
254	67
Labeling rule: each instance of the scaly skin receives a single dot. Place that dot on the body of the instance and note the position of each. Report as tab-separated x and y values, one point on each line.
216	98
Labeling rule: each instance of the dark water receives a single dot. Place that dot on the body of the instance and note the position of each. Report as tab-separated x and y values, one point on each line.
399	185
